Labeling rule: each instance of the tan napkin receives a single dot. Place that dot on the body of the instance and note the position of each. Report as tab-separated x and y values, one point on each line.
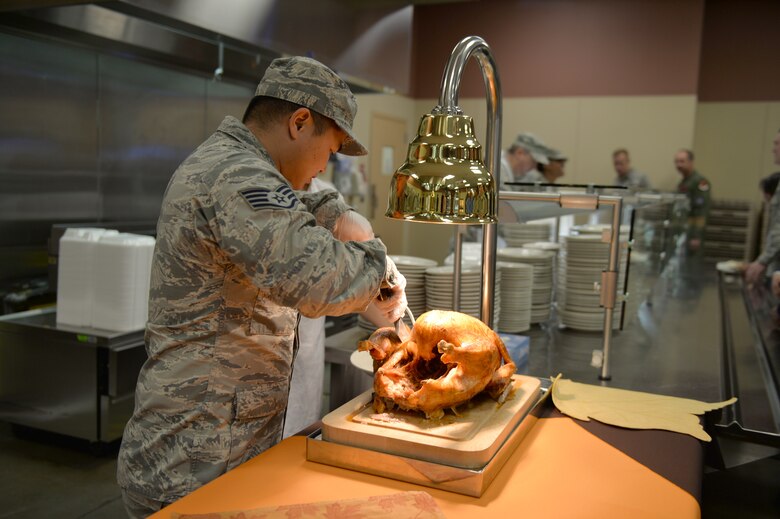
403	505
632	409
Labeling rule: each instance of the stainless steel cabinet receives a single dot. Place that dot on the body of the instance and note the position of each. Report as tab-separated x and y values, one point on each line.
78	382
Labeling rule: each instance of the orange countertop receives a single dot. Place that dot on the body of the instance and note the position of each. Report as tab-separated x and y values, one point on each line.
560	470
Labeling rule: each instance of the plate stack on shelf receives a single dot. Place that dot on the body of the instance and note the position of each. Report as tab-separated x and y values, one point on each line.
543	245
542	262
583	259
554	248
413	269
439	285
599	228
517	234
516	294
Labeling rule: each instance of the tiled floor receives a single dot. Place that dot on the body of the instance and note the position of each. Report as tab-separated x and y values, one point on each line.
46	476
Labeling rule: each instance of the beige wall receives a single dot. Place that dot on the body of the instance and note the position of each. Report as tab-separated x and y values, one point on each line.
428	241
588	93
733	144
732	141
589	129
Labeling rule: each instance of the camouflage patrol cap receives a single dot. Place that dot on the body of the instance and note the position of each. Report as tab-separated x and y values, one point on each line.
309	83
555	154
533	146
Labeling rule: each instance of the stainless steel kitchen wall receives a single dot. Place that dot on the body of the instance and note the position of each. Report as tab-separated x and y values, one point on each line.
48	147
149	120
90	137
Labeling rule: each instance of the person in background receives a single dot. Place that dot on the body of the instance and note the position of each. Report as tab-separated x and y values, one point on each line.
241	253
553	170
627	176
769	259
775	283
520	161
697	188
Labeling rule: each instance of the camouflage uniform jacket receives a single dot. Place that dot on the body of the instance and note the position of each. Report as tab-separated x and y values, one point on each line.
633	180
533	175
770	256
238	255
697	188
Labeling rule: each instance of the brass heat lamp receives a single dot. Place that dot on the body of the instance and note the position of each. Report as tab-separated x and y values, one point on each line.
444	179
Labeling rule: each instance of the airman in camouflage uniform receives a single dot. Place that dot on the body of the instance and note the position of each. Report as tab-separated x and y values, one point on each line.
767	263
239	254
518	163
697	188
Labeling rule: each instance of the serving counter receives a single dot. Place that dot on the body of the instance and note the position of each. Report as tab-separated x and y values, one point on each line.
562	468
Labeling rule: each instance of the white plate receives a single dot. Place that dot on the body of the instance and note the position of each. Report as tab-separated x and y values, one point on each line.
412	261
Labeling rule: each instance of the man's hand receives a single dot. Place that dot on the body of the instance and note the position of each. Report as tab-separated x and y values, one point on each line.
392	298
753	272
352	226
776	283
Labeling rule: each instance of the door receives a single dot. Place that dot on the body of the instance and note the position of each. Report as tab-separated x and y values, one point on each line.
389	146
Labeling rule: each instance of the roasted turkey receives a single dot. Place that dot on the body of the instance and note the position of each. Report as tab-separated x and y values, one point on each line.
448	359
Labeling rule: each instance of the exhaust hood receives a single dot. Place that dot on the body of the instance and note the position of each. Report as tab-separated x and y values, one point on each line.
221	39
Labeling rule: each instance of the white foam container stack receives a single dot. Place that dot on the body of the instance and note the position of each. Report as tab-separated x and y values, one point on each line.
103	279
123	265
75	274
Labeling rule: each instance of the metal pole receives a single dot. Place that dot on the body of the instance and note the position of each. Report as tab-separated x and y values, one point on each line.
609	277
609	280
456	270
448	103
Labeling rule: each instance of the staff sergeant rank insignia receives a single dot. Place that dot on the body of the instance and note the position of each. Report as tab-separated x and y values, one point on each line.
280	198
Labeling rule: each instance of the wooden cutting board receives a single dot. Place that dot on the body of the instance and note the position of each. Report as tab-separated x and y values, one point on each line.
468	440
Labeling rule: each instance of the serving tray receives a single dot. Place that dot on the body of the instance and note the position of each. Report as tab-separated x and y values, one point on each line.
460	454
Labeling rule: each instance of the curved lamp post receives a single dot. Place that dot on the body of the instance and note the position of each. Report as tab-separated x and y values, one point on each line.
444	179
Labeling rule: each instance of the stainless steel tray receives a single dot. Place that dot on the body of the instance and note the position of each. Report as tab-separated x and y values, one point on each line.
469	482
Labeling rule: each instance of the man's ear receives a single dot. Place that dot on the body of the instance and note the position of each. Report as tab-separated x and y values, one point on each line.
298	121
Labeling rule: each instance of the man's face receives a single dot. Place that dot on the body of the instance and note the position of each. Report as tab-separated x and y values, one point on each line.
313	152
523	162
683	164
776	149
622	164
554	170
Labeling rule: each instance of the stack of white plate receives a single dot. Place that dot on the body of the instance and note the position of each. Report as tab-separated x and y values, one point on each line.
413	269
584	258
471	252
554	248
599	228
543	245
517	234
516	293
439	287
542	262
